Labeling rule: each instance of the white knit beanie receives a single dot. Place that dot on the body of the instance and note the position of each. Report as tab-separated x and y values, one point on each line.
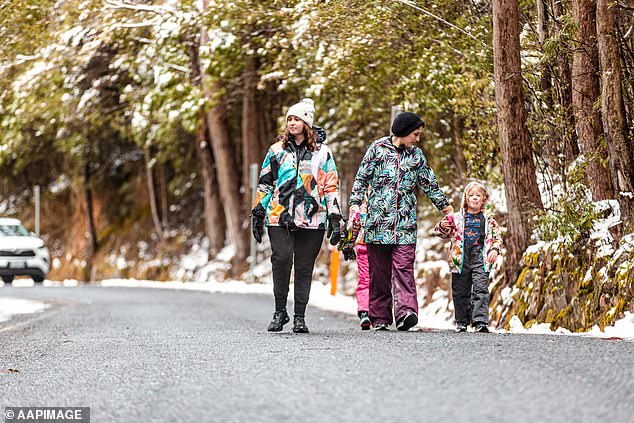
305	110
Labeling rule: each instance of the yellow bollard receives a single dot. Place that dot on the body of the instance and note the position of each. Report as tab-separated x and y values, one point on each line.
334	270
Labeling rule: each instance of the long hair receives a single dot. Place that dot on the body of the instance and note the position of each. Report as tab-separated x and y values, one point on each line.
309	136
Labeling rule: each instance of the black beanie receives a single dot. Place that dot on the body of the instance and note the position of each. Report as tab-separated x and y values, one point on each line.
405	123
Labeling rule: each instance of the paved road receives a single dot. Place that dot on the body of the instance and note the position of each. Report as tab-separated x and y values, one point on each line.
145	355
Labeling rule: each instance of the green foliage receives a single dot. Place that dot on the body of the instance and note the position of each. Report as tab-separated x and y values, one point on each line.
573	214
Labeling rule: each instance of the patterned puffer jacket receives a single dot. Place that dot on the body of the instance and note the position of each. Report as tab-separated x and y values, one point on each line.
492	236
298	188
393	176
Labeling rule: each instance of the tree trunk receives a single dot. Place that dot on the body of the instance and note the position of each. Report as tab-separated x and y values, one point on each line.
620	149
585	81
250	127
152	193
551	147
214	213
570	148
164	199
518	169
234	208
90	223
214	217
267	120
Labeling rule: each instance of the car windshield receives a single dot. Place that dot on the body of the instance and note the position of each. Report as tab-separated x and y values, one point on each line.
13	230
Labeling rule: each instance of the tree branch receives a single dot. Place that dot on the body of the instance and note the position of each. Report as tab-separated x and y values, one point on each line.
420	9
117	4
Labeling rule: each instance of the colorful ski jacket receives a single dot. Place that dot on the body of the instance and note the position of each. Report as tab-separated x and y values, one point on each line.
393	176
492	238
298	188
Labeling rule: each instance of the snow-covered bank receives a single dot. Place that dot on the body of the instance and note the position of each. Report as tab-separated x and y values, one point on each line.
10	306
434	316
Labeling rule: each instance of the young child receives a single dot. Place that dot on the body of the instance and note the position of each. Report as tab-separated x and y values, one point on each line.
363	278
354	248
475	245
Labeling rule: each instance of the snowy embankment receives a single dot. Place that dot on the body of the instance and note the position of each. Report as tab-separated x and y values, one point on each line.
10	306
320	297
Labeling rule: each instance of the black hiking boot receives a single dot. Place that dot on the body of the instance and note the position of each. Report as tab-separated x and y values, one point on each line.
408	321
299	325
364	320
461	327
280	318
381	327
481	328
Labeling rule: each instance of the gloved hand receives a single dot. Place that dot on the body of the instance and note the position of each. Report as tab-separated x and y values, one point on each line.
334	229
348	252
257	222
347	243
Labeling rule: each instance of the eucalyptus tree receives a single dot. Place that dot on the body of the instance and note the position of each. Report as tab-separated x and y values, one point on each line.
619	138
586	92
520	181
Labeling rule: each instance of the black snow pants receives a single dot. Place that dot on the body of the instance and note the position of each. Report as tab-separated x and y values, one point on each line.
470	289
299	248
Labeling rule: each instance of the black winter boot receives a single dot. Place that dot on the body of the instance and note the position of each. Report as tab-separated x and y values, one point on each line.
407	322
364	320
299	325
280	318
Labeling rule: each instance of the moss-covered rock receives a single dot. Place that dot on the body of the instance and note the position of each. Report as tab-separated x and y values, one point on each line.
570	286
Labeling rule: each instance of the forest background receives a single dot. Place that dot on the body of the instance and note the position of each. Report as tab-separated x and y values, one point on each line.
138	121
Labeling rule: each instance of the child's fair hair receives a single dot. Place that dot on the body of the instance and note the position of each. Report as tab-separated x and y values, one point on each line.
471	186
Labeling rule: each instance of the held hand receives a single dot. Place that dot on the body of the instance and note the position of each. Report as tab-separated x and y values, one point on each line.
353	216
446	225
492	257
447	210
349	253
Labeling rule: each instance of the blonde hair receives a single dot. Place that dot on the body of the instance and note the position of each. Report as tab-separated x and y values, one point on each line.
471	186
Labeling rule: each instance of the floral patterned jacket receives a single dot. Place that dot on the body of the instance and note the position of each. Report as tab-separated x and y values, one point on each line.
393	176
492	239
298	188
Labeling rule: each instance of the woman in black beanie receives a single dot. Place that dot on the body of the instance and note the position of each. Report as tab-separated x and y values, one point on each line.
393	167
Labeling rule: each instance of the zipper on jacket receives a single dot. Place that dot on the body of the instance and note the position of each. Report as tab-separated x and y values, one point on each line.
398	167
291	203
298	159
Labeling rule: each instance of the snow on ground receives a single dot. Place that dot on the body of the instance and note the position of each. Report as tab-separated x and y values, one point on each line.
433	316
10	306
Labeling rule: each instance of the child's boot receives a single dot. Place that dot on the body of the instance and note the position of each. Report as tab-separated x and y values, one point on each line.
364	320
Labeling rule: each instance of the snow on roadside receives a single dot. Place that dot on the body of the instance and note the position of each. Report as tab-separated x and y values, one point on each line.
10	307
433	316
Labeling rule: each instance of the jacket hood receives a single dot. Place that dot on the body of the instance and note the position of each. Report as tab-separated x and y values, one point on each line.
321	134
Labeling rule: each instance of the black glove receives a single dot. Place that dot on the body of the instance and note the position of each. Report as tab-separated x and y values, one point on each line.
348	252
257	222
334	229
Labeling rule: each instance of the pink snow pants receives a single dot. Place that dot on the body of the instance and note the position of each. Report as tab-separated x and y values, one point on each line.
363	283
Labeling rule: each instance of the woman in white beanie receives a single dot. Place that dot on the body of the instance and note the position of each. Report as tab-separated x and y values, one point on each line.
297	199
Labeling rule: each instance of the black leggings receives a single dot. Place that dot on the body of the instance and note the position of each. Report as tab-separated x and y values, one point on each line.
298	247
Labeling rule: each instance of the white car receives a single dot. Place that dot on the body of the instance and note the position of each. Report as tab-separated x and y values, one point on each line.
21	252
